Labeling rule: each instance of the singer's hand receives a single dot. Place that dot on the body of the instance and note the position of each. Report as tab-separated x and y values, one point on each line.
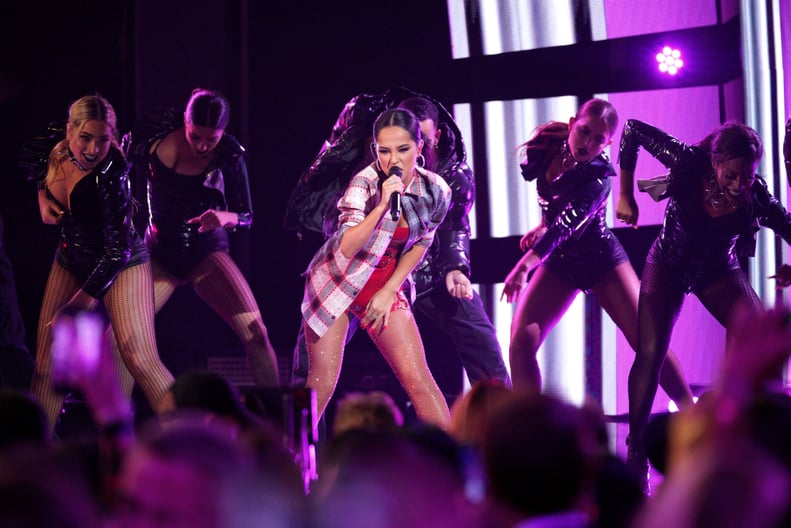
377	313
391	185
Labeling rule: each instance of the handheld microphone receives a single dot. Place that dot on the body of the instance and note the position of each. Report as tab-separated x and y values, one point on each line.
395	198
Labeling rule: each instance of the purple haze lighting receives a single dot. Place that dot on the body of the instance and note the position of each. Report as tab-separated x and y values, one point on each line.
669	60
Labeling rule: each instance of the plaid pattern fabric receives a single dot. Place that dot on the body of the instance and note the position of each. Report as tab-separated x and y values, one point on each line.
333	280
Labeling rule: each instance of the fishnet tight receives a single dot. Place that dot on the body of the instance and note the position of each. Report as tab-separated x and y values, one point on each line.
661	297
130	306
220	283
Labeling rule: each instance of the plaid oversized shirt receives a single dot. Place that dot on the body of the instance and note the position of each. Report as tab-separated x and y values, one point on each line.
333	280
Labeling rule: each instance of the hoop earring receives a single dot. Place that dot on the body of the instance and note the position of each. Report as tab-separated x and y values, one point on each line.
378	165
421	160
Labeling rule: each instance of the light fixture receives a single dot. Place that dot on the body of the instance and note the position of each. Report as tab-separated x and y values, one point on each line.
669	60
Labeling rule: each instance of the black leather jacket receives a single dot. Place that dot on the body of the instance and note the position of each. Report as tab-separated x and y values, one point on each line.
97	236
313	201
227	175
572	206
691	239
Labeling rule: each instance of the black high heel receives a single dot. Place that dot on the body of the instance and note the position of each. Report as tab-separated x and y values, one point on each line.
637	462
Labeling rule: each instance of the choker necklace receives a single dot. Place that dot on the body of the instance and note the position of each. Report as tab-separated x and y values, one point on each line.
76	161
567	161
716	198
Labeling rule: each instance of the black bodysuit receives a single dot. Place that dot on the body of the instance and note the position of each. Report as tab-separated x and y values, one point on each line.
578	246
175	198
693	252
97	236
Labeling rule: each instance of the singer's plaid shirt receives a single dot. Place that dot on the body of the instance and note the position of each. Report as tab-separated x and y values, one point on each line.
332	280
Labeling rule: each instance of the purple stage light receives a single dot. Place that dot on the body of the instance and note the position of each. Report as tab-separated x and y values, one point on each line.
669	60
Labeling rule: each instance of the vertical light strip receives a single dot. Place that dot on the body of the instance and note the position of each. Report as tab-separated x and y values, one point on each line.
609	336
514	210
491	24
562	357
496	148
515	25
540	23
760	115
492	44
609	341
515	207
513	202
780	193
598	16
501	318
506	204
457	20
462	114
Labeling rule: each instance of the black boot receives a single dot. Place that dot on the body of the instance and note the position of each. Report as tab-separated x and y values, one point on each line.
637	461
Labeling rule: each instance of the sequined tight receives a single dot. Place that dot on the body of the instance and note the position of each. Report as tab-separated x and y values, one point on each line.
400	345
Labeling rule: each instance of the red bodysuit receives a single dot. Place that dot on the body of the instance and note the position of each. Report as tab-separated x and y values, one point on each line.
383	271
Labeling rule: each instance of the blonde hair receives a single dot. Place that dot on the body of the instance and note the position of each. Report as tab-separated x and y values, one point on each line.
86	108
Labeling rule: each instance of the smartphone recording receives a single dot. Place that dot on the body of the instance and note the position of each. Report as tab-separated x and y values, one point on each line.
77	340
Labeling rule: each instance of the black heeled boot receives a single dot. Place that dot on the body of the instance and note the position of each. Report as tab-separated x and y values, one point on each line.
637	461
